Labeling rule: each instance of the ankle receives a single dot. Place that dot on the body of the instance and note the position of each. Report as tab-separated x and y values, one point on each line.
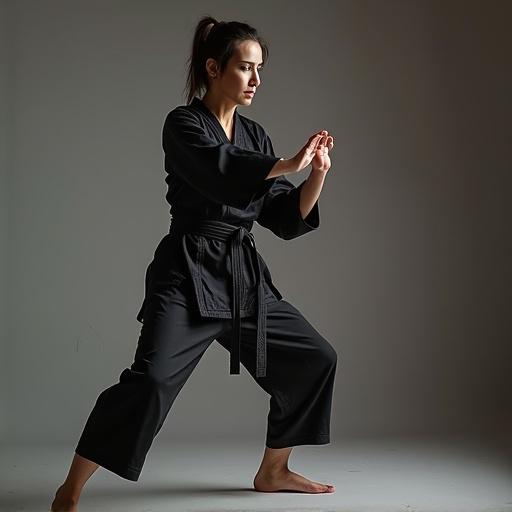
273	470
70	493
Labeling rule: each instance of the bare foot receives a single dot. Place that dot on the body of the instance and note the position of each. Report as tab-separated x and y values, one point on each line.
286	480
63	503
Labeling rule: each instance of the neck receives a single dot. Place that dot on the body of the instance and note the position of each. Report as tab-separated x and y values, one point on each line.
224	109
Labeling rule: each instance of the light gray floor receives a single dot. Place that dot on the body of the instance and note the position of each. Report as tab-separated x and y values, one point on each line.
460	475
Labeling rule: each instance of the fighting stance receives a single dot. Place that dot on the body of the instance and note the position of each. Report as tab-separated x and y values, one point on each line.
208	282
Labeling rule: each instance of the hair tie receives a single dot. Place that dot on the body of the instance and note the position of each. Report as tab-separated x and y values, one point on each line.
209	29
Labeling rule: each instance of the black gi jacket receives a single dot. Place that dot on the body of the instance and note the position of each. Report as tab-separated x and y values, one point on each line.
211	178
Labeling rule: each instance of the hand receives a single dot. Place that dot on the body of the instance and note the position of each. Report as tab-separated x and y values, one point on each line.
321	161
308	152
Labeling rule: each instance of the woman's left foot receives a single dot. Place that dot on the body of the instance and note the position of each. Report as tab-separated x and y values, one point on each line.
286	480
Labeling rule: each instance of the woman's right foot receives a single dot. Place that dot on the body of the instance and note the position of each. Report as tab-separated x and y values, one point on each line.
63	502
287	480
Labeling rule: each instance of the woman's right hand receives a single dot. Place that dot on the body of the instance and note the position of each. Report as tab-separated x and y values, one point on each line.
304	157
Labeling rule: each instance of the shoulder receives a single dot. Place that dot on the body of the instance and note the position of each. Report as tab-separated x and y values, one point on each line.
182	113
181	120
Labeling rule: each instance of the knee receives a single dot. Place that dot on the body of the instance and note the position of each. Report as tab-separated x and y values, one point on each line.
146	376
329	355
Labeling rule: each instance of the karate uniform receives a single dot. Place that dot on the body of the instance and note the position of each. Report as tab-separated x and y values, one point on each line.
208	282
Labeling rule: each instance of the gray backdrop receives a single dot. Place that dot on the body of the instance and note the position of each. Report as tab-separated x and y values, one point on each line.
408	275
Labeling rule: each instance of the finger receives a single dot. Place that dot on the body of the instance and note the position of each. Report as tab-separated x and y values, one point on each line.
318	140
312	146
313	141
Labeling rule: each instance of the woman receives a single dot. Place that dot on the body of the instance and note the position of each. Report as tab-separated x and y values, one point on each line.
207	280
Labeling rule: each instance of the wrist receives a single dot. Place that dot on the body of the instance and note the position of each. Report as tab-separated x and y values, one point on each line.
317	174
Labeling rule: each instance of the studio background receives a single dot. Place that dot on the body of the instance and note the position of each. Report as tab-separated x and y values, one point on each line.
408	275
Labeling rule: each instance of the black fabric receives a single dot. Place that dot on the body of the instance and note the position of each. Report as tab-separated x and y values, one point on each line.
234	237
128	415
211	178
220	171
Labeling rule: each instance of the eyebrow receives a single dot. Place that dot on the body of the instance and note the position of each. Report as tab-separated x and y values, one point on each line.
247	62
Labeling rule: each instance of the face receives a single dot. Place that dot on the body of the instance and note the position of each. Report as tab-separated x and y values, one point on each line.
242	73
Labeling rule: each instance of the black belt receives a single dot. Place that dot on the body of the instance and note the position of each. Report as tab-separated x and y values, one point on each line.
228	232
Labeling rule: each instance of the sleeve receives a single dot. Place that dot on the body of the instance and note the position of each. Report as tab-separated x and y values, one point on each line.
281	207
222	172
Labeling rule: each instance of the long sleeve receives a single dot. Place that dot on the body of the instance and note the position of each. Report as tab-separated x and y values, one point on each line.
222	172
281	207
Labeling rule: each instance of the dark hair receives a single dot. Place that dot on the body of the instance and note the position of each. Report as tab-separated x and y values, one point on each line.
217	40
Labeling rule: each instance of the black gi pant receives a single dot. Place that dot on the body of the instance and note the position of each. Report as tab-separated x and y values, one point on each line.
301	367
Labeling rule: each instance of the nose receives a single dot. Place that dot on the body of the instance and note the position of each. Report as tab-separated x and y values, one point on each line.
255	80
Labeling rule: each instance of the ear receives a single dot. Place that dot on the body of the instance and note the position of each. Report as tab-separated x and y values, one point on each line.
211	67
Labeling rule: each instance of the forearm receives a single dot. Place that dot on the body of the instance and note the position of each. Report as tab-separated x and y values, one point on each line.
281	167
310	192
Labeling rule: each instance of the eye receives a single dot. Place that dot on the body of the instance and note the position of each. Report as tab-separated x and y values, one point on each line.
248	68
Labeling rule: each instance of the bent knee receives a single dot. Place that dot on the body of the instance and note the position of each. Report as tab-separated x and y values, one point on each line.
329	355
151	377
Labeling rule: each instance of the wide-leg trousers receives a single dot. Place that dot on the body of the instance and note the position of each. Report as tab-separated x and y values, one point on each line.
301	367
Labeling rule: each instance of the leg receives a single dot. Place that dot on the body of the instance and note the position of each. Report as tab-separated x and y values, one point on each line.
301	367
128	415
68	494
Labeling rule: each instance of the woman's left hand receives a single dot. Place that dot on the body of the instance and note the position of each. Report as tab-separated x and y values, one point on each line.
321	161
